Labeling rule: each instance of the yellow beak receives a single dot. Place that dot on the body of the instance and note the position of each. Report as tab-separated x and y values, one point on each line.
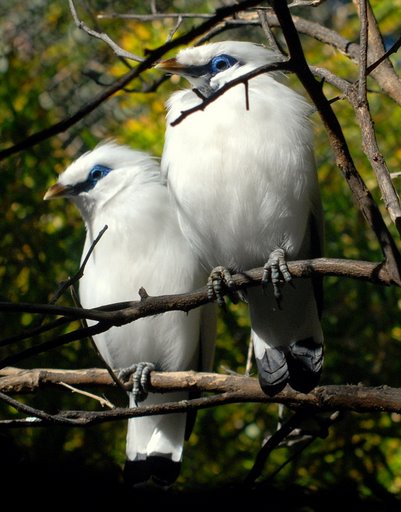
171	66
56	190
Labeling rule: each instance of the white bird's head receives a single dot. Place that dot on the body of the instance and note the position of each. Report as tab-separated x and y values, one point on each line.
99	175
210	66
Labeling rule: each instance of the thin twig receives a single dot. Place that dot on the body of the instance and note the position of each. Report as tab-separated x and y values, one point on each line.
84	324
36	413
243	79
104	37
264	21
102	401
32	333
155	16
174	29
305	3
393	49
248	366
273	442
76	277
64	285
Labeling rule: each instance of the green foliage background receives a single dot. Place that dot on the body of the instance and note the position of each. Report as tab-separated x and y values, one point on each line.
48	70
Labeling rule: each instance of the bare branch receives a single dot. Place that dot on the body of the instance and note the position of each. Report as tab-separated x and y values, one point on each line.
393	49
305	3
228	389
120	52
125	312
37	331
156	16
153	56
66	123
361	106
102	401
49	419
358	99
273	442
264	21
363	54
385	75
75	278
243	79
338	143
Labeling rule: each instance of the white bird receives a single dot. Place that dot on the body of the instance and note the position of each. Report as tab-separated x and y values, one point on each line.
241	171
143	247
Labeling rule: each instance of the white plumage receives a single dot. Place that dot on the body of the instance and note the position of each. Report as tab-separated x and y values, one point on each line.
245	185
142	247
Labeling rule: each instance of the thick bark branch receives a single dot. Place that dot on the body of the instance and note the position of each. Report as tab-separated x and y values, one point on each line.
228	389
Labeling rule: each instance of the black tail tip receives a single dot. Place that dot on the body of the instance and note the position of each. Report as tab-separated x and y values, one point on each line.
272	371
161	470
300	365
305	363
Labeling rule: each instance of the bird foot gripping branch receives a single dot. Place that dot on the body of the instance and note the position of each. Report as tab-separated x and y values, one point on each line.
276	271
139	374
220	281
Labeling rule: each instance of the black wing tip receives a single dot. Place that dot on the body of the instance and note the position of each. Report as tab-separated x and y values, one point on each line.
161	470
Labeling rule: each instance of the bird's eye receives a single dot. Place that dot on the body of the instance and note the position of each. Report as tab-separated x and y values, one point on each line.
98	172
221	63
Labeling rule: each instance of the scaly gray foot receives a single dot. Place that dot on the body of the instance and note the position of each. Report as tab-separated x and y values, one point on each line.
276	271
219	281
140	373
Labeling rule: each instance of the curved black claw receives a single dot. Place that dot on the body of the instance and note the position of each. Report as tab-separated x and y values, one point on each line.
276	271
140	379
219	279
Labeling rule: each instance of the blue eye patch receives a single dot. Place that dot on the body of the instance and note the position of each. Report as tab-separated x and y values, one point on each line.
95	174
213	67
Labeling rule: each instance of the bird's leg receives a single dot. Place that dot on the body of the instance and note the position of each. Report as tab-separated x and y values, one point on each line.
219	279
276	271
140	373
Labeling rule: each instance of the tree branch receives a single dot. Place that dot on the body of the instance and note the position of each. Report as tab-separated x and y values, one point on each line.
243	79
120	52
125	312
228	389
77	276
272	443
373	272
154	55
338	143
